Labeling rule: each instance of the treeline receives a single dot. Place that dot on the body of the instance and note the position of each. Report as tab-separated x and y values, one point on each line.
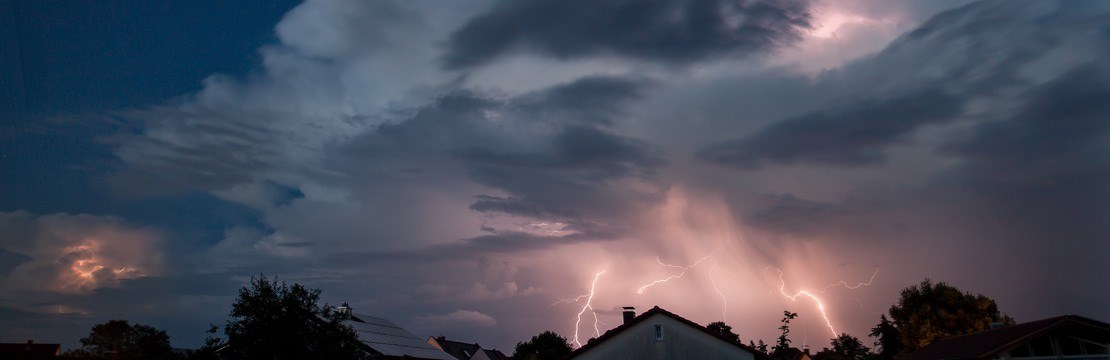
924	313
269	320
274	320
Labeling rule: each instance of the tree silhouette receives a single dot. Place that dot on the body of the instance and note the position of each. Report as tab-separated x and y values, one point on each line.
118	339
724	330
888	340
928	312
547	345
272	320
783	344
849	347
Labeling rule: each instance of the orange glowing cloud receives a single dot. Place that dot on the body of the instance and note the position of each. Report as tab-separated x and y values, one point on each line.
77	253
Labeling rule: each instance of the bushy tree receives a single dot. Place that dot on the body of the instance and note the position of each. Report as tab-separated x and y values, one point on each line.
547	345
849	347
928	312
272	320
119	339
888	341
724	330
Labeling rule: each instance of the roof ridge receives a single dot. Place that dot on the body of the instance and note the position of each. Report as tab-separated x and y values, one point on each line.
658	310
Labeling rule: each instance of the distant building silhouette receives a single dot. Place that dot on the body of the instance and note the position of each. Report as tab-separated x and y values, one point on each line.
29	351
1066	337
466	351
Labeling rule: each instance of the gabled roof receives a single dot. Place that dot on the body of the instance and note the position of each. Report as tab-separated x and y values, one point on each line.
794	353
992	342
390	340
460	350
465	351
647	314
495	354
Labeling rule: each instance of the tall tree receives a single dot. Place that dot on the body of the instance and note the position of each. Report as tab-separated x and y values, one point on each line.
928	312
888	340
783	343
272	320
119	339
849	347
724	330
547	345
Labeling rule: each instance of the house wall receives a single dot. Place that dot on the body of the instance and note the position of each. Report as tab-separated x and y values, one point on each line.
680	341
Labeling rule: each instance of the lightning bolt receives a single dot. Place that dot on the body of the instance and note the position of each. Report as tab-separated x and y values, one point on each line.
589	306
571	300
669	278
724	301
820	305
856	286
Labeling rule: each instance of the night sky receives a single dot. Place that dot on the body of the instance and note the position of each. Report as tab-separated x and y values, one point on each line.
474	168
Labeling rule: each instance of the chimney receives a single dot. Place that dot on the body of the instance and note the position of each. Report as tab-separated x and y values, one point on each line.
805	349
629	314
344	310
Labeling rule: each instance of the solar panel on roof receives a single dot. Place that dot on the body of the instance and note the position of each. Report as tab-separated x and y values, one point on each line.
391	340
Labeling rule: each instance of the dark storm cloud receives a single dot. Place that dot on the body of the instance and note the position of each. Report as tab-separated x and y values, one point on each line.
574	171
1064	119
980	52
604	97
1028	186
852	136
1045	167
553	159
665	31
10	260
787	213
195	149
502	243
863	215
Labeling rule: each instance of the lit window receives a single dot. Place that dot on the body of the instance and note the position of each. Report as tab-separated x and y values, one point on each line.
658	332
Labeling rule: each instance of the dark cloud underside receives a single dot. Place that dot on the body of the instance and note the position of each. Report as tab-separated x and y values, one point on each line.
552	151
664	31
856	135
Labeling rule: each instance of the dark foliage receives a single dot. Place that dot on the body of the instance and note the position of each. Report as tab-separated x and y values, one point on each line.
272	320
888	340
548	345
928	312
724	330
849	347
119	339
760	347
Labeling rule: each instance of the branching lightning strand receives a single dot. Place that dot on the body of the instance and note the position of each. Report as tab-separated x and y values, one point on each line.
724	301
672	277
820	305
589	306
856	286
